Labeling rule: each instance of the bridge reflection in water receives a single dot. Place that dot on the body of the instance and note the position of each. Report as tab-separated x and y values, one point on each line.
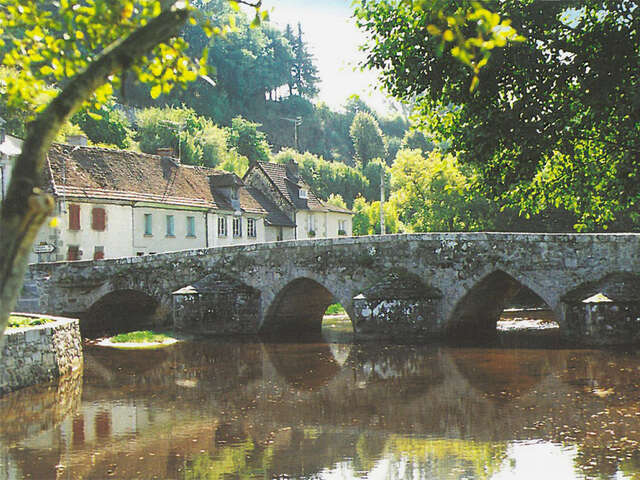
246	409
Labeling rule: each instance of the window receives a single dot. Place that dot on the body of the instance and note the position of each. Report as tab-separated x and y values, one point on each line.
191	226
148	230
222	226
280	235
251	227
139	254
303	193
98	253
342	227
74	217
170	226
237	227
73	253
311	224
98	219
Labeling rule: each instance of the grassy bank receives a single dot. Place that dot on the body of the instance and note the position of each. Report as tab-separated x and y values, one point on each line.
141	336
18	321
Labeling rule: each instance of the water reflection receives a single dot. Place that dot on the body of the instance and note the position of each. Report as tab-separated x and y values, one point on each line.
244	409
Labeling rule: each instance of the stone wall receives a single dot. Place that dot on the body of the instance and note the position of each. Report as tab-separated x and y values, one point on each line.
38	354
448	284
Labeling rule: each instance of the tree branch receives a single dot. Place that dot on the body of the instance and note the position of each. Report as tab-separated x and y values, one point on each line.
26	207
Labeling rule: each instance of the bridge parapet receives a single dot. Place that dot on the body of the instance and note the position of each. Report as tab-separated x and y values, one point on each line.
470	272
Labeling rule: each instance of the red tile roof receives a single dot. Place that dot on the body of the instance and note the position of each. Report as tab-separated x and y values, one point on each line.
289	189
101	173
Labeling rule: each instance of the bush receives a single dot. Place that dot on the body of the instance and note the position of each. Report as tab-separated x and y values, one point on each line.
111	128
17	321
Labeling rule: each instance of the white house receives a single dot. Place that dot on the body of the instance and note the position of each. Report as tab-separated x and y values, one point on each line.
114	203
10	148
309	216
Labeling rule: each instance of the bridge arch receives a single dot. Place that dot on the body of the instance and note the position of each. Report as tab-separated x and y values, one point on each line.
120	310
299	306
476	312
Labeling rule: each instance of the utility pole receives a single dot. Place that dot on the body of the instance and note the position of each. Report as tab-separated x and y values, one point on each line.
382	229
179	127
296	123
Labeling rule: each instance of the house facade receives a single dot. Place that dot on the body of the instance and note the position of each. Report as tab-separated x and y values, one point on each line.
112	203
309	216
10	148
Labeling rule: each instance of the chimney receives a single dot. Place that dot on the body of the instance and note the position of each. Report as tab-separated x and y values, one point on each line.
293	172
78	140
167	153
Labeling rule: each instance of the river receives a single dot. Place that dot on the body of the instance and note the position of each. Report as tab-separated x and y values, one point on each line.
329	409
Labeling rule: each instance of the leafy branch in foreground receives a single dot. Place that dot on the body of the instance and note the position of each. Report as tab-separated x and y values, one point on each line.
83	49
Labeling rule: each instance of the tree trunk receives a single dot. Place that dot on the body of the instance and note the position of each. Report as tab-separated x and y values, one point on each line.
26	207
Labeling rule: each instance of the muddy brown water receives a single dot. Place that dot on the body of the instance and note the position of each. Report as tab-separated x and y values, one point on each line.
240	408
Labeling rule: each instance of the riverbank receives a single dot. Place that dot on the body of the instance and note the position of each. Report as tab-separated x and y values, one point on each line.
33	354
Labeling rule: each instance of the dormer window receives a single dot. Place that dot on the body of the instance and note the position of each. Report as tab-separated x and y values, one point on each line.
234	194
303	193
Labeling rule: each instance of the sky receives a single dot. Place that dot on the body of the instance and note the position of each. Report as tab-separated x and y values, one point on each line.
334	39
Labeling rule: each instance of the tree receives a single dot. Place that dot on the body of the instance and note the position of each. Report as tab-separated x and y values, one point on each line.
248	141
196	138
366	219
336	200
434	194
540	104
416	140
107	125
368	142
84	48
304	74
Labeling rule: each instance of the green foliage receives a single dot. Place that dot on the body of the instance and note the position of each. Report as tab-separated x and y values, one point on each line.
434	194
335	309
247	141
19	321
366	219
336	200
540	106
68	129
415	139
467	30
108	125
367	139
141	336
197	139
235	164
50	45
393	146
373	172
304	74
481	460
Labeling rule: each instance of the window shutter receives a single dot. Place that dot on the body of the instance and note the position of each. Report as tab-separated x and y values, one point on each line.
98	219
74	217
98	253
73	253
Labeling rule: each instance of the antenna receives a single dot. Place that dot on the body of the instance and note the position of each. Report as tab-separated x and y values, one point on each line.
296	123
179	127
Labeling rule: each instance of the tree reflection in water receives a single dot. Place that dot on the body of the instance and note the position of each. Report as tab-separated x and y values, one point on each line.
244	409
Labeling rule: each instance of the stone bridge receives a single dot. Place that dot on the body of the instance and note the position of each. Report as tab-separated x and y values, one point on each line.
403	286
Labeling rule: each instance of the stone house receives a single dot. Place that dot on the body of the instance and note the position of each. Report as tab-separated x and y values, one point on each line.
309	216
114	203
